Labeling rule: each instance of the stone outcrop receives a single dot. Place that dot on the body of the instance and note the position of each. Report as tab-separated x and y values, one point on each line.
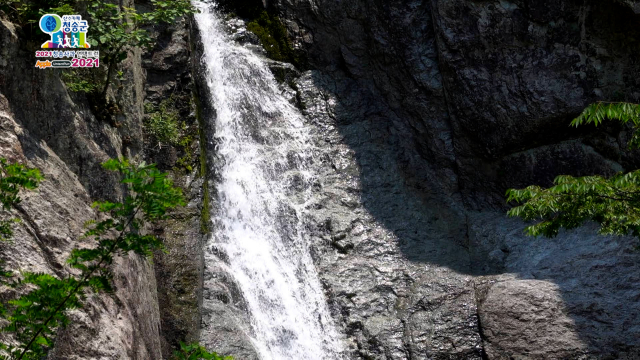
424	113
535	310
430	111
46	126
126	324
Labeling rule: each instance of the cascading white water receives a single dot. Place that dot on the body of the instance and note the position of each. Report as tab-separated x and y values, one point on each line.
264	180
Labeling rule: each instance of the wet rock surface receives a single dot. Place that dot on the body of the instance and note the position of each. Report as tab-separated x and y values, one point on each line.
46	126
124	324
422	113
426	112
391	306
225	325
178	269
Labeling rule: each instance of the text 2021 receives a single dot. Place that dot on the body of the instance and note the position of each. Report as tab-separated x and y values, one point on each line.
85	62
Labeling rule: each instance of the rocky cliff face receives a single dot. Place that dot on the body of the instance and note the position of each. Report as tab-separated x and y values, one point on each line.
46	126
428	111
424	112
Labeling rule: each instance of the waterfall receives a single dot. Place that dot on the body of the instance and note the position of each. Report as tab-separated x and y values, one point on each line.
265	176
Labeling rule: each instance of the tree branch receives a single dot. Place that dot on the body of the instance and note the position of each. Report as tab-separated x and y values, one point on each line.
80	284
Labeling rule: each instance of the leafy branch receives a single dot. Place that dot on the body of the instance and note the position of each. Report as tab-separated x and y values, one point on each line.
613	202
13	178
34	317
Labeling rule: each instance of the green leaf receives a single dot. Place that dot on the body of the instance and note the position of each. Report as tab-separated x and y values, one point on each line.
613	202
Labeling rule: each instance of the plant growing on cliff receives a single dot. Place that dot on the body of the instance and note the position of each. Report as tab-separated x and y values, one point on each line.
613	202
34	317
196	352
40	308
13	178
272	35
115	28
162	122
274	38
28	12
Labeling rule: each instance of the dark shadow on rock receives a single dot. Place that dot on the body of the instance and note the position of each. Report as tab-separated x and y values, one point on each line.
597	278
415	187
405	192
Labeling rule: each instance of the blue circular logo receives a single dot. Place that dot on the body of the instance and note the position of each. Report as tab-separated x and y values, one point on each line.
50	23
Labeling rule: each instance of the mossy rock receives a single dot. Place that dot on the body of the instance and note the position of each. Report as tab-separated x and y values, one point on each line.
273	36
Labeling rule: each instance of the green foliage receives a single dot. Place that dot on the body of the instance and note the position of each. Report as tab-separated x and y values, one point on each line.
34	317
6	228
62	9
116	28
46	303
13	178
81	85
612	202
167	11
273	36
185	162
113	28
76	81
39	309
203	171
196	352
162	122
623	112
29	12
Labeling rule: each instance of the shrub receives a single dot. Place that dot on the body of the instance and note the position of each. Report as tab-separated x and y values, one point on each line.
34	317
162	122
612	202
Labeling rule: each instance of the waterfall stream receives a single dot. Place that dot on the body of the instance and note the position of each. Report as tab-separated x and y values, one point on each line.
265	173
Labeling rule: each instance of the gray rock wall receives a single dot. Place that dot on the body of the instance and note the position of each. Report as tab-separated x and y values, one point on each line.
425	112
431	110
45	128
48	127
516	73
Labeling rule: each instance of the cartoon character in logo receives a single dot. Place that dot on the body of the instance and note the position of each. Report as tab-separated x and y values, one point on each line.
70	31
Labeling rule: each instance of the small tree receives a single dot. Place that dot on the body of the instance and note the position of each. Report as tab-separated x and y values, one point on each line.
34	317
115	28
13	178
612	202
